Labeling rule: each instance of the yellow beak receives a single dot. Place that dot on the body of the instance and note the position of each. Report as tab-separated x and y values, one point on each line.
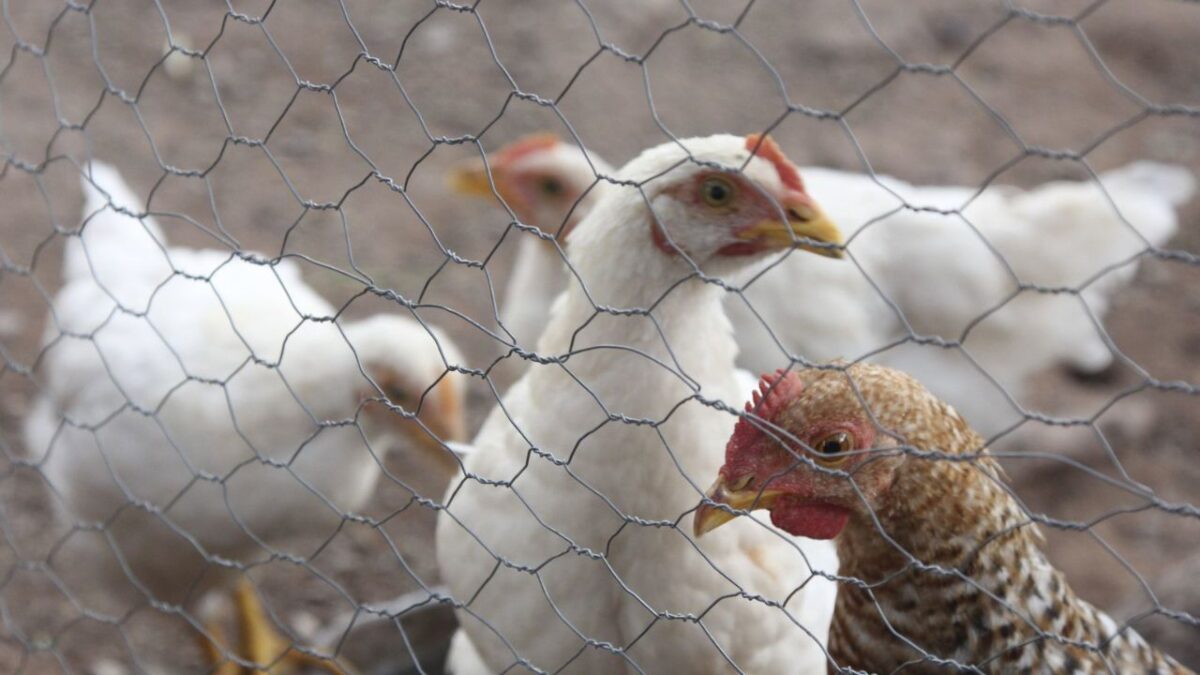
443	415
807	222
471	178
709	517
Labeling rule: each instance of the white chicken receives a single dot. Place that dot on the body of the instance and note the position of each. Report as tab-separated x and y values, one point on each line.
198	408
925	268
563	543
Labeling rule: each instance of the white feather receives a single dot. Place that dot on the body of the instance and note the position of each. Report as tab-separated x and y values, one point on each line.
198	384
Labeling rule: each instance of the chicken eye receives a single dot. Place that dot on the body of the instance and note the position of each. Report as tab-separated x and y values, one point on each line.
833	448
550	186
394	393
717	191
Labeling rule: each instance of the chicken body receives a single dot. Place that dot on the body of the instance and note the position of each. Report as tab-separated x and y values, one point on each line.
951	569
199	409
574	560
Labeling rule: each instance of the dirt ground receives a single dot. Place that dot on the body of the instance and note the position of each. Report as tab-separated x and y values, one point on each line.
1019	75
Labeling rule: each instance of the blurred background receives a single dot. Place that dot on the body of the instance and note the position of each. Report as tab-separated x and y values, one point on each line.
1056	85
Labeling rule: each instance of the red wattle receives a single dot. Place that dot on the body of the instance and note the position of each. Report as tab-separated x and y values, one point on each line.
809	519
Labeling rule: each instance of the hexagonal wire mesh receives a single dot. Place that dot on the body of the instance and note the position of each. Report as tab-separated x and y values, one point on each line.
273	321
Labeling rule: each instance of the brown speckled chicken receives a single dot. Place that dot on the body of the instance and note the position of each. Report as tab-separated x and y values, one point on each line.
953	575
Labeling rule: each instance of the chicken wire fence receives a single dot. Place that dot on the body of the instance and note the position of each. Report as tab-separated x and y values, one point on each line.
270	284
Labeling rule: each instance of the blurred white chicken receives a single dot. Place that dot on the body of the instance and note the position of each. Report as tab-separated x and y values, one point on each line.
575	560
198	409
959	277
550	185
943	272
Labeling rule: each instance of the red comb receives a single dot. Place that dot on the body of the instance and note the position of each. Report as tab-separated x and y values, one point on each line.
764	146
773	393
526	145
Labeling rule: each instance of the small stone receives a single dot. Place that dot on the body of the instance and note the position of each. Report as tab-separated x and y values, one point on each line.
11	322
305	624
179	66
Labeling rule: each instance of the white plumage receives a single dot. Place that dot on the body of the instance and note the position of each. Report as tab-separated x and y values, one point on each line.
559	566
548	184
951	260
202	407
539	272
946	274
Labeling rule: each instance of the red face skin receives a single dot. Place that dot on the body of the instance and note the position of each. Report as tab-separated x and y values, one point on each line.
749	208
752	206
522	189
748	211
811	502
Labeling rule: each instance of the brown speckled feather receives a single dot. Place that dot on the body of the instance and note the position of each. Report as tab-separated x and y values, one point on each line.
959	580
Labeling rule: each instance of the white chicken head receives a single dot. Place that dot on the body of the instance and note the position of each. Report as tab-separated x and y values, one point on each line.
713	201
409	367
548	183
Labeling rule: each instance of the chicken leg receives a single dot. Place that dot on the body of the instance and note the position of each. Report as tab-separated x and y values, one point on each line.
260	644
211	644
